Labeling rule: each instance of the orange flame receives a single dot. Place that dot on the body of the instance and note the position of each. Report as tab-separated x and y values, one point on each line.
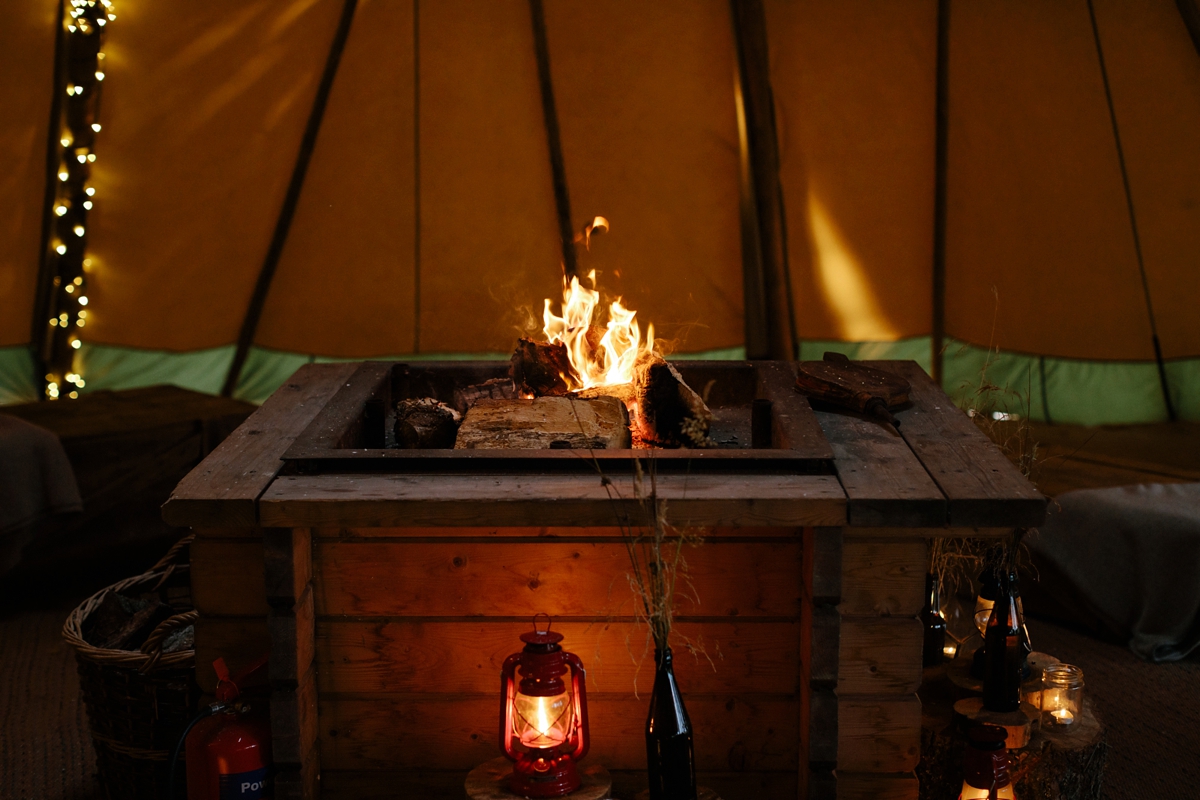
609	362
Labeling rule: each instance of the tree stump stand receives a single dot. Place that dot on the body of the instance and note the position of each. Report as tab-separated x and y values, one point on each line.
1064	763
489	781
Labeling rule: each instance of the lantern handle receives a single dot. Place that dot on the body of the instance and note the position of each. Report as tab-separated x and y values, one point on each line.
507	685
549	620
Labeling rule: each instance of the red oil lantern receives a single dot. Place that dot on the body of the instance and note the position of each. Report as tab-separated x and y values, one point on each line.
543	722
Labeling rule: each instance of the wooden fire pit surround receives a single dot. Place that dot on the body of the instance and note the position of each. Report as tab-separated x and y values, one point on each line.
389	585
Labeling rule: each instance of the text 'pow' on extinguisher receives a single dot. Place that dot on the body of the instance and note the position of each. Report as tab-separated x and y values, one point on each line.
229	742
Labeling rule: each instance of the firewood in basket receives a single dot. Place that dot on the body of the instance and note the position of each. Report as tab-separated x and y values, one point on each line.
121	622
425	423
494	389
538	368
671	413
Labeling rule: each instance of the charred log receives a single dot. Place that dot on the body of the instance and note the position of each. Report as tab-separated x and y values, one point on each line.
425	423
671	414
539	368
495	389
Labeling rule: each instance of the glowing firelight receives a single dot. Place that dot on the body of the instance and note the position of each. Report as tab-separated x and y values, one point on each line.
607	362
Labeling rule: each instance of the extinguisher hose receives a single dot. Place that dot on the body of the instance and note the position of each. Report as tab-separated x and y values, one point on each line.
207	711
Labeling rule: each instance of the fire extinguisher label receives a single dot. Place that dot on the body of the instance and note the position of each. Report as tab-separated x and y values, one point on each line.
244	785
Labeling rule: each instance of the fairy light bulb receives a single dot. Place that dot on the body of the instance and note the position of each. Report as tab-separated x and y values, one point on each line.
79	231
96	127
89	191
61	210
75	343
70	288
87	205
63	175
65	141
61	249
83	300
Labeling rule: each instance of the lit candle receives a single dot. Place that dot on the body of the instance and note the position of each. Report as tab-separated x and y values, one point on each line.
1062	716
950	650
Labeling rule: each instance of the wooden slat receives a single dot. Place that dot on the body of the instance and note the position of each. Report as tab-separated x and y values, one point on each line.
827	565
877	786
224	488
883	578
982	487
388	732
751	579
374	657
227	577
294	723
878	733
458	500
880	655
302	782
885	534
581	534
293	644
885	483
793	424
287	565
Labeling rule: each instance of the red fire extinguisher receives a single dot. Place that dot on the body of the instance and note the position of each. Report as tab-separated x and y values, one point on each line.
229	743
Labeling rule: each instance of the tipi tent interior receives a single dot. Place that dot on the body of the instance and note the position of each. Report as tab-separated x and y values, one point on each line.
212	195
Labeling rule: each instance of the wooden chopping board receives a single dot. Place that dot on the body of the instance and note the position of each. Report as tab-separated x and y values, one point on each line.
839	381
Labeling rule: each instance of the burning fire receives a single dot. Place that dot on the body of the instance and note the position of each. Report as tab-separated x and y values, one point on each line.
596	360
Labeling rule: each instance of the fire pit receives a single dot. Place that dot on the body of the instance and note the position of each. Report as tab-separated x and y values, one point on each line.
389	583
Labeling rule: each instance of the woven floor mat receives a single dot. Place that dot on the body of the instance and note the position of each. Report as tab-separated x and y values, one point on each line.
45	751
1151	713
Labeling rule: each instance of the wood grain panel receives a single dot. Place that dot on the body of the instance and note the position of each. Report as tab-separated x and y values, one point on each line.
371	657
224	489
398	579
885	483
981	485
507	500
880	655
883	578
878	733
385	732
877	786
227	577
540	533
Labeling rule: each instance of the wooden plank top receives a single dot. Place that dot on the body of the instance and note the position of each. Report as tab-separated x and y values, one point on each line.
884	481
937	470
225	487
457	500
982	487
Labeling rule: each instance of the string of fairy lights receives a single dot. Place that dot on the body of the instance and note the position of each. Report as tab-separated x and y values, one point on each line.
84	22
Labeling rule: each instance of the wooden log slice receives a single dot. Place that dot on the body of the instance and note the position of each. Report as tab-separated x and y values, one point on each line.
489	781
570	423
1056	764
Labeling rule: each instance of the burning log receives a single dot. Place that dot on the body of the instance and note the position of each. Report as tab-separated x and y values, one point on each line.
425	423
539	368
495	389
670	412
555	423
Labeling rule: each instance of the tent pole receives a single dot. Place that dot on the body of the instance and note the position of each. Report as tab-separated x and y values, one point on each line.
558	171
290	199
1191	18
1137	243
941	150
40	338
761	151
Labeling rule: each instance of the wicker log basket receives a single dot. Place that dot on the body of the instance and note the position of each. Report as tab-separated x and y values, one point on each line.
139	702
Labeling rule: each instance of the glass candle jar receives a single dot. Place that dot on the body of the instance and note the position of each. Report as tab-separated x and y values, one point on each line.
1062	695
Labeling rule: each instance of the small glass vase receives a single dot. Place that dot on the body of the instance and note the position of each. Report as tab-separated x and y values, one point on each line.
670	753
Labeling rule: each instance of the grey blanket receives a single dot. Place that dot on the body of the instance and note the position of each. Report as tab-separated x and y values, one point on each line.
36	483
1130	558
